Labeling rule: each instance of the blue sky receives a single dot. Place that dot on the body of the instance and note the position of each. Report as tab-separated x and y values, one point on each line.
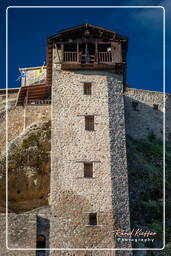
29	29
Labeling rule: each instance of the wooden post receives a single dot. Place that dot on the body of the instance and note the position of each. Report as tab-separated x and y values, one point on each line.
59	59
27	96
25	114
25	83
96	52
62	51
24	117
78	52
120	52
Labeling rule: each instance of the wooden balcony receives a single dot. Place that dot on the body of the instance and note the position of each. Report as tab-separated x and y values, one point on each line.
104	57
76	57
76	60
70	57
33	94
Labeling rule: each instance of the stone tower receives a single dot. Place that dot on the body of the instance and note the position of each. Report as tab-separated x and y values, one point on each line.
89	184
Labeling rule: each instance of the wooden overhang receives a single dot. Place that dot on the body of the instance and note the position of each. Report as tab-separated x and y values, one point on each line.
78	32
9	91
117	67
28	94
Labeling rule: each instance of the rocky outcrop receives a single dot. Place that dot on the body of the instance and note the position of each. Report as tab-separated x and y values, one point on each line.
28	169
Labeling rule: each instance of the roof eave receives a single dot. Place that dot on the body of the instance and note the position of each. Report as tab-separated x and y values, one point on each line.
88	25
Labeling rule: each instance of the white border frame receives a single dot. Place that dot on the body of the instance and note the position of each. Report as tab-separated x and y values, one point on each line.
85	249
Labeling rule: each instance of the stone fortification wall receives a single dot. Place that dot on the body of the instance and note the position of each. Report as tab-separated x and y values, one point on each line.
21	234
144	113
23	230
11	98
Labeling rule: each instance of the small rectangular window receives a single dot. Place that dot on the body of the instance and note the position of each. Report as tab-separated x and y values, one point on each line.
88	254
87	88
88	170
155	106
135	105
92	219
89	123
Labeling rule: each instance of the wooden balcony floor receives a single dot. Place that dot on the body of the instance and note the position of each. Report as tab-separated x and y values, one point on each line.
89	66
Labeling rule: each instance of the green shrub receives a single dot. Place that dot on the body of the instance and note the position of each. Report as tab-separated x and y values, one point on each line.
151	136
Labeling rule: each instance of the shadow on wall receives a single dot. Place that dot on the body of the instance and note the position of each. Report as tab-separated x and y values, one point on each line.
168	118
142	122
43	227
144	130
143	119
120	195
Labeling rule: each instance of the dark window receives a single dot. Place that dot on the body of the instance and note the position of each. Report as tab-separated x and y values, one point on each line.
41	242
155	106
135	105
88	170
87	88
169	137
93	219
70	47
89	123
104	47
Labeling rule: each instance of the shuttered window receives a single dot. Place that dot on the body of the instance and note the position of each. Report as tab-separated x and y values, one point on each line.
89	123
88	170
87	88
93	219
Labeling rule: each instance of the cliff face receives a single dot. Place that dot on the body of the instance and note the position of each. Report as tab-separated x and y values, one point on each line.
28	169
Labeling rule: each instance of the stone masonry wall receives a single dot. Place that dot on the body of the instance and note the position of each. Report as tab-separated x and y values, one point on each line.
140	122
21	234
120	194
21	117
11	97
23	230
32	76
73	196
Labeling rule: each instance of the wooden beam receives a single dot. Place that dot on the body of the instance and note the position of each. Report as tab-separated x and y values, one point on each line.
38	94
38	89
35	86
62	51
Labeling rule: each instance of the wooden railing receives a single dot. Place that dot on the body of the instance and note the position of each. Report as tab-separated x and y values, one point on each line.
104	57
70	56
100	57
39	102
87	59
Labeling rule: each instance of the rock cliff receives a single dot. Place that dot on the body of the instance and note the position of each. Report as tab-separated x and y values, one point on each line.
28	169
